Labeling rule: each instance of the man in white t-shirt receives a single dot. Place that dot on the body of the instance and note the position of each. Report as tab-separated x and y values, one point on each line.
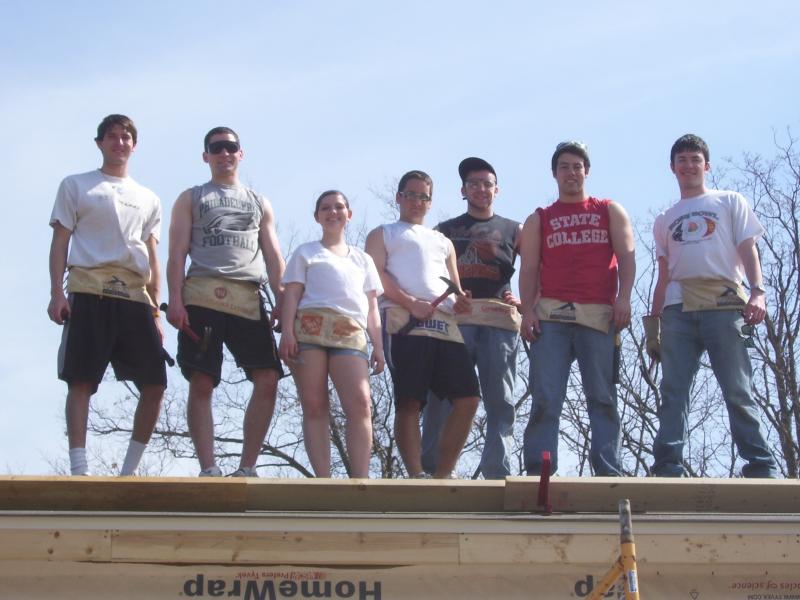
431	356
105	231
705	244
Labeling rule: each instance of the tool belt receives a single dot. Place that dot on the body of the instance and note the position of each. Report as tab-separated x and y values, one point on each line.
441	325
594	316
712	294
491	312
328	328
110	282
231	296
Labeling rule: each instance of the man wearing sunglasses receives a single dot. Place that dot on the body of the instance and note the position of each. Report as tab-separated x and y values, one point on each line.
576	275
486	247
411	260
110	225
228	232
705	245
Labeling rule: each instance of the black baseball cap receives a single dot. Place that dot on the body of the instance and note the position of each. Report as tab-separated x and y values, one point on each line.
473	163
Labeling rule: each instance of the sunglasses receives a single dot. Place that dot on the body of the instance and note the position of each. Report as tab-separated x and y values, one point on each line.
219	146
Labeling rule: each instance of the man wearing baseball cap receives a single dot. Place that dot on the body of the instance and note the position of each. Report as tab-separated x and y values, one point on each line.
576	275
486	247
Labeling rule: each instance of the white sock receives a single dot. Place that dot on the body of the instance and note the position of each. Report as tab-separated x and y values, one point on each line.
132	458
77	461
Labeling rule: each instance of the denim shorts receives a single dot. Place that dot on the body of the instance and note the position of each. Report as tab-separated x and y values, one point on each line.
333	351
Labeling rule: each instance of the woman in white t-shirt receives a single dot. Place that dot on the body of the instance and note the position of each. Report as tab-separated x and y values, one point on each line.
329	306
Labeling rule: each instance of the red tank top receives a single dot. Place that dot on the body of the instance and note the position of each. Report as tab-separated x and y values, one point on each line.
577	260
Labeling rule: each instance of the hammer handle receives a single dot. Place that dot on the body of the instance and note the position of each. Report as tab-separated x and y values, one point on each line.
185	329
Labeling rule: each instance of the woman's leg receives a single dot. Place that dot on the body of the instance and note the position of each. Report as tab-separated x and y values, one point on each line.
350	375
310	374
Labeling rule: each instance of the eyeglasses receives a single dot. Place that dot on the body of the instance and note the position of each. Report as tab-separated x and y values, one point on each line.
219	146
475	184
415	196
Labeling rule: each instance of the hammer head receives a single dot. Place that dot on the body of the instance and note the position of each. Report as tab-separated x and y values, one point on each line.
452	288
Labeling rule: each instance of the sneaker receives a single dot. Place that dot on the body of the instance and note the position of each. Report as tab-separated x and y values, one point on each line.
244	472
212	471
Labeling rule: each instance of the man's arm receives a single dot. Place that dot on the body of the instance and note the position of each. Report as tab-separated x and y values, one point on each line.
624	248
154	284
756	309
58	308
660	291
268	239
509	297
462	300
530	258
376	248
180	236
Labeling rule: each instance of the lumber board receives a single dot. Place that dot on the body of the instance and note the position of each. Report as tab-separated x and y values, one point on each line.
657	549
160	494
381	495
514	495
55	545
296	547
666	495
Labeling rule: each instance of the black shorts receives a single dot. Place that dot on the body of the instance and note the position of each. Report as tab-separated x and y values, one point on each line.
419	364
251	343
102	330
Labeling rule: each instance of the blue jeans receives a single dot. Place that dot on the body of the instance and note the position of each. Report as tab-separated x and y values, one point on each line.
684	336
551	358
494	353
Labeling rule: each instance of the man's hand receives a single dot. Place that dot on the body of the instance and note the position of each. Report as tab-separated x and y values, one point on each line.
756	310
177	315
652	336
159	328
510	298
463	303
58	310
530	328
622	312
421	310
275	314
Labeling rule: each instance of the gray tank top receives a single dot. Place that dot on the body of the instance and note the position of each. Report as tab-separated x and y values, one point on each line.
225	228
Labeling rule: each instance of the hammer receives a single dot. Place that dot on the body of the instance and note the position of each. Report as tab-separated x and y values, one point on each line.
413	321
201	342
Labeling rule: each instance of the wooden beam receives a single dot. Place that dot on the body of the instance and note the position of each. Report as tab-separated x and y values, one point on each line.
371	495
287	547
667	495
159	494
515	494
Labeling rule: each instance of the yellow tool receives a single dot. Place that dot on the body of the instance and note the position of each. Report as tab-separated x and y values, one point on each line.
625	565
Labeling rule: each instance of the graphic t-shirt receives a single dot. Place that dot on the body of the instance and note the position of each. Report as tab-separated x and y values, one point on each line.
485	252
700	237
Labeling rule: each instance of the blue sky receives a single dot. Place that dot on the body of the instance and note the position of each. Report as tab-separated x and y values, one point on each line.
351	95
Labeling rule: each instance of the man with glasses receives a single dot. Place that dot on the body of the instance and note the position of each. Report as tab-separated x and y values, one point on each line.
228	231
486	247
110	225
705	244
576	275
411	260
